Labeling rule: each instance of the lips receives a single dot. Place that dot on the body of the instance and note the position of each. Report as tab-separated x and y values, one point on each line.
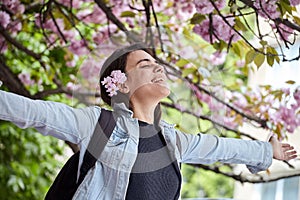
157	80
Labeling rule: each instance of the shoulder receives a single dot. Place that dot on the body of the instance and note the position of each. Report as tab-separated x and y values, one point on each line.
167	125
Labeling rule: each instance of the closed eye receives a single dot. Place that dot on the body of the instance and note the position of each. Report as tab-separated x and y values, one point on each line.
146	66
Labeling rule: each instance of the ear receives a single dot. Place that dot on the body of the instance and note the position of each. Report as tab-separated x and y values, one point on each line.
123	88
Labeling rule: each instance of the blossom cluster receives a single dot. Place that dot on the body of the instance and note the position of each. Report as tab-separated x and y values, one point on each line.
280	112
295	2
283	31
267	9
12	7
216	29
288	116
112	82
206	7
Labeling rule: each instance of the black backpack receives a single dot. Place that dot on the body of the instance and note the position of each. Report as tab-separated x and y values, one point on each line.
66	184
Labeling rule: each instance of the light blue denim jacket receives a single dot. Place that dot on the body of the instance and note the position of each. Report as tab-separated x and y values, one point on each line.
110	176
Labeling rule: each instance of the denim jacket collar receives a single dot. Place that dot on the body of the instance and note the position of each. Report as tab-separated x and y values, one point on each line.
120	109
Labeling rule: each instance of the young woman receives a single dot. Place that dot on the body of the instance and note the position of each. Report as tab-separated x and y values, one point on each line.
142	156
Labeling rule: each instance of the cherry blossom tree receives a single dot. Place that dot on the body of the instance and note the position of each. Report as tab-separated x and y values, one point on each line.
54	50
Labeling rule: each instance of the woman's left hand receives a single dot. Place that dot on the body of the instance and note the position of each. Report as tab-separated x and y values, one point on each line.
282	151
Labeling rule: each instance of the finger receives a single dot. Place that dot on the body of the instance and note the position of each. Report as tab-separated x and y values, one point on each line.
288	148
290	155
285	145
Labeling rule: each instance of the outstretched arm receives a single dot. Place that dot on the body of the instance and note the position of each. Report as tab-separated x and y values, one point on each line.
49	118
257	155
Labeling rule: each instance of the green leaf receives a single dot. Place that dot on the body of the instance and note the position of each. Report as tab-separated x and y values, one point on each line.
127	14
239	25
236	49
181	62
250	56
285	7
57	55
297	20
197	18
263	42
220	45
188	71
277	59
291	82
270	60
259	60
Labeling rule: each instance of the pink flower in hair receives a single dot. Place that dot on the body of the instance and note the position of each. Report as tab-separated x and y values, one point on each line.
111	82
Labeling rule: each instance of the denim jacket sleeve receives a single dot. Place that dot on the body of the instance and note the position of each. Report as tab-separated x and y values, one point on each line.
49	118
207	149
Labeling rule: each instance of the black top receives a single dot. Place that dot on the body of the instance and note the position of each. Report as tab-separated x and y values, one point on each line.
154	175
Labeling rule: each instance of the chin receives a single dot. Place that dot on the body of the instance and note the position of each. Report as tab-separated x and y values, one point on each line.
166	92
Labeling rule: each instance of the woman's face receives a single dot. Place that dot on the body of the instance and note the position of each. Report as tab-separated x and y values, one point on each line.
145	77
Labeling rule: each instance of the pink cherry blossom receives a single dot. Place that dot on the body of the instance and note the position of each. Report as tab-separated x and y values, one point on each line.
96	15
200	95
112	89
230	122
215	106
78	47
130	22
267	8
286	91
49	24
4	19
3	45
69	34
297	96
14	6
15	26
89	68
107	81
283	31
295	2
118	76
240	63
72	86
219	30
111	82
100	37
25	79
206	7
287	116
217	58
75	3
71	63
239	100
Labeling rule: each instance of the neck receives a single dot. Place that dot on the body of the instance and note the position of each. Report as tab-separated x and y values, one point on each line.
144	112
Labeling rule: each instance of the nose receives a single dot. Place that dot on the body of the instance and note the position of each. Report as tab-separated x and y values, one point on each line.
159	69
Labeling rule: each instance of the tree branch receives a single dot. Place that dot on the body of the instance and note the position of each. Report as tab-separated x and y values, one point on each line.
208	119
115	20
10	80
18	45
255	178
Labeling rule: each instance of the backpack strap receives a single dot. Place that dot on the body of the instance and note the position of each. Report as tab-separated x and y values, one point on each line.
104	128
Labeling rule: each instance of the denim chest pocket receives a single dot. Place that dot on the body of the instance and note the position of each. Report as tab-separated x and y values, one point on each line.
118	137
